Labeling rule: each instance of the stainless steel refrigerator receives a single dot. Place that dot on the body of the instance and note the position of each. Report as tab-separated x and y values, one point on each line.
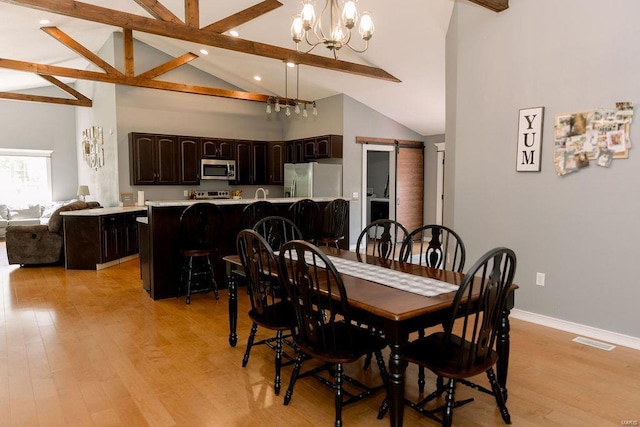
312	180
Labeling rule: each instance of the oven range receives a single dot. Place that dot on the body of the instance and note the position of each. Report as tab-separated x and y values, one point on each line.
219	194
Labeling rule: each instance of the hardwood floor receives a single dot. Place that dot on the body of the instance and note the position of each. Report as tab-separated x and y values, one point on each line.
85	348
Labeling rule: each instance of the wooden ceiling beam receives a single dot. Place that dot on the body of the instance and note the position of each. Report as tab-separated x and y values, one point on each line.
63	38
44	99
243	16
138	82
127	40
158	11
65	87
495	5
192	13
116	18
168	66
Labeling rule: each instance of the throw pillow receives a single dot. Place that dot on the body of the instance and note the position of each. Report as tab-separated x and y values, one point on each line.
29	212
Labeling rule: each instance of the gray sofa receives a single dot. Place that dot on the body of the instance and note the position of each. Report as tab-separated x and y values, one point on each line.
42	243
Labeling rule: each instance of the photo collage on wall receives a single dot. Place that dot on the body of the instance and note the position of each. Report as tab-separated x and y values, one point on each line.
599	135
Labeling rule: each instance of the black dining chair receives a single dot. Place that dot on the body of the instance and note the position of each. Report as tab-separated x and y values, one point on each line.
434	246
200	227
305	213
277	230
269	308
255	211
330	229
465	347
382	238
324	330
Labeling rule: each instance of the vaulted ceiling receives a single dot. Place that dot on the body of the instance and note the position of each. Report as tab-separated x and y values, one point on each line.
401	75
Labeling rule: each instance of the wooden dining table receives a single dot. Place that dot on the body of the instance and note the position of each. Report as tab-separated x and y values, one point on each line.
396	312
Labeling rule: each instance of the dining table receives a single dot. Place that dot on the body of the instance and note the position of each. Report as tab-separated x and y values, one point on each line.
375	299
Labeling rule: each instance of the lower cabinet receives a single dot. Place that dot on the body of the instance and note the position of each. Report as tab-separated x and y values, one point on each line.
92	241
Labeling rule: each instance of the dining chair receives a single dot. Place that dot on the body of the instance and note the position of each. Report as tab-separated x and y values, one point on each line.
200	226
324	330
255	211
382	238
269	309
305	214
465	347
330	230
434	246
277	230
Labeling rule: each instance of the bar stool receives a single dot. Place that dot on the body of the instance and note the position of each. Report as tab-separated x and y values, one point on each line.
304	213
255	211
334	216
200	226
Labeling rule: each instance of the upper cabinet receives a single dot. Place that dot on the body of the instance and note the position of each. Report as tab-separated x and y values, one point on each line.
276	158
251	163
189	160
295	151
153	159
311	149
218	148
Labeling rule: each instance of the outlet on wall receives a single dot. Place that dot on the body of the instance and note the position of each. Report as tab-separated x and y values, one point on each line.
540	279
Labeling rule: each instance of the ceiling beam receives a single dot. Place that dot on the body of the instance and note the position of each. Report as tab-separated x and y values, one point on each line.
127	41
138	82
65	87
158	11
192	13
168	66
44	99
243	16
495	5
116	18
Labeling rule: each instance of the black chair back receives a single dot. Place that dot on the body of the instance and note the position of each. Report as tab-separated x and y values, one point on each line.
255	211
200	226
382	238
435	246
277	231
320	320
478	306
334	217
304	213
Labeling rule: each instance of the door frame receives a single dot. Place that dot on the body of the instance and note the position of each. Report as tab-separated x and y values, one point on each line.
391	149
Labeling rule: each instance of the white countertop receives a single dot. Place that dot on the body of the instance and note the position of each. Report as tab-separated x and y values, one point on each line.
169	203
104	211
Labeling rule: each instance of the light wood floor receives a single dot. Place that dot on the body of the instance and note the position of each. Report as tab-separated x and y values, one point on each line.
84	348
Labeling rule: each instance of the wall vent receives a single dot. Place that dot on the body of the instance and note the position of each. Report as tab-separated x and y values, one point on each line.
593	343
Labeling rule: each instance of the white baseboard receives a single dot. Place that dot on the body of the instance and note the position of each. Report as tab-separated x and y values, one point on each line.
576	328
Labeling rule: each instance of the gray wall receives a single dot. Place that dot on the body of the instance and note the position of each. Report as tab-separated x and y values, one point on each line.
581	229
37	126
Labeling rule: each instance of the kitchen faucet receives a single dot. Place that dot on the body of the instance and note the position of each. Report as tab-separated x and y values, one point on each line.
264	193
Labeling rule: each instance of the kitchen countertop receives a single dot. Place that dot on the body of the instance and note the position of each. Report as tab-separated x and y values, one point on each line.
104	211
168	203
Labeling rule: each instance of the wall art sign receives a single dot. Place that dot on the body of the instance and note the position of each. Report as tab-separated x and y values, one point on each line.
529	139
599	135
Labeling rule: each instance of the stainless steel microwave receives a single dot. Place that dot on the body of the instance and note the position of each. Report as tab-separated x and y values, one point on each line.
218	169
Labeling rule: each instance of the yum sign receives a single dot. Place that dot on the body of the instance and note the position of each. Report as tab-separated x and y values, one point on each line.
529	139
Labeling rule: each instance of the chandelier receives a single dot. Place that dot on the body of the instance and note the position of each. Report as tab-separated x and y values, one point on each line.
286	102
341	22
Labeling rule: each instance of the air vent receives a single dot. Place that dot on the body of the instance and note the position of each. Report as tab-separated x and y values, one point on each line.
593	343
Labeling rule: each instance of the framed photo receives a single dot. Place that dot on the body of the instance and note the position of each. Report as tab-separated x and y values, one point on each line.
529	139
127	199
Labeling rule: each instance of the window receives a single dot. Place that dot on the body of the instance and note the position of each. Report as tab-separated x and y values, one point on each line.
25	176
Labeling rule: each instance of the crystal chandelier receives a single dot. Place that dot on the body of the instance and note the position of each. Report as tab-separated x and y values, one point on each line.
341	22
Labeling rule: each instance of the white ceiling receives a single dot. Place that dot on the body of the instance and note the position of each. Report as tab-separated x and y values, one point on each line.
409	43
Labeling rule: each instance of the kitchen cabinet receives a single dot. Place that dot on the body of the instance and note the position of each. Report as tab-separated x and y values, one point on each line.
276	157
154	159
189	160
251	163
295	151
323	147
218	148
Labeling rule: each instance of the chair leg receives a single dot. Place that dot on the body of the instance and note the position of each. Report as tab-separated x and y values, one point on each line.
189	280
338	403
211	278
252	336
276	385
497	392
367	361
421	381
447	415
294	377
384	408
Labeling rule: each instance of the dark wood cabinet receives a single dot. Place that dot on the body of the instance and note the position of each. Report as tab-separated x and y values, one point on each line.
218	148
154	159
295	151
276	162
189	160
323	147
251	163
94	240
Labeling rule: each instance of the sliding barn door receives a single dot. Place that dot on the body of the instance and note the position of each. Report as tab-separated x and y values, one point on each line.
410	186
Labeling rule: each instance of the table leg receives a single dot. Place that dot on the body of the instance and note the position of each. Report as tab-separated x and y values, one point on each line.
232	284
502	347
397	368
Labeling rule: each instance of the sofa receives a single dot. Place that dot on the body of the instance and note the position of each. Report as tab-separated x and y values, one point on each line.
23	215
40	243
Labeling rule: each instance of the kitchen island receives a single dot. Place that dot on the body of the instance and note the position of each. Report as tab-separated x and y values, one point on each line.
160	258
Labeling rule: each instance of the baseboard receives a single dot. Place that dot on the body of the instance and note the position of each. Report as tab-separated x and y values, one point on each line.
576	328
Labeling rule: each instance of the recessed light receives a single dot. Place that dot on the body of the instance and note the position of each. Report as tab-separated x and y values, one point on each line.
204	51
257	78
44	22
234	33
291	65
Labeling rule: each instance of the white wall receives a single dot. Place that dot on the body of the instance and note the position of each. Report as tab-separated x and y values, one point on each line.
581	230
38	126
